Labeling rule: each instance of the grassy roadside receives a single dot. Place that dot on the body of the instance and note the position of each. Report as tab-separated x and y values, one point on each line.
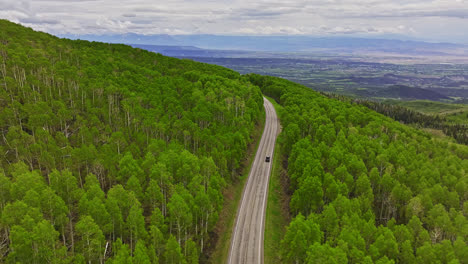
277	216
232	195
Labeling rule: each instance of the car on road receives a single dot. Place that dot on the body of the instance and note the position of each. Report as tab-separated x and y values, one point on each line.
267	159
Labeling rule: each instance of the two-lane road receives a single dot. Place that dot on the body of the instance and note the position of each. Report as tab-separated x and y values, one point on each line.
247	236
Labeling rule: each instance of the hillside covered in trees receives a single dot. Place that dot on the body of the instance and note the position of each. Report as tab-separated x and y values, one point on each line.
118	155
458	130
365	188
110	153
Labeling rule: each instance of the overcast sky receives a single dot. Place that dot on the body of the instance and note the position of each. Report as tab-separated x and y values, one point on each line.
439	20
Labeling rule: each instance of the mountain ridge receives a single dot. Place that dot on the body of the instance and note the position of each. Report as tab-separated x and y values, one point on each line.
268	43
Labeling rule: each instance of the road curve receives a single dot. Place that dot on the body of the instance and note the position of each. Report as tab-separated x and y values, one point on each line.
247	235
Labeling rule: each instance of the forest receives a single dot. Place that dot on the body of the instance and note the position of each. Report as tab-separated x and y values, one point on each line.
364	187
457	130
114	154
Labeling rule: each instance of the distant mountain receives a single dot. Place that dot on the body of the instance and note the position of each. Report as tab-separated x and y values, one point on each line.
281	43
166	47
407	92
190	51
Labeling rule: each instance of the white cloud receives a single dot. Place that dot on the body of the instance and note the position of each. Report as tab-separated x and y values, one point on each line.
438	19
269	30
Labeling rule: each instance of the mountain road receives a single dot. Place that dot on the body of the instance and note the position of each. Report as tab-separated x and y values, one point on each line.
248	233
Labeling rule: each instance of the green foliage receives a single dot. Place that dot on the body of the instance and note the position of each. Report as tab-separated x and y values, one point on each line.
378	191
92	239
108	152
449	118
173	252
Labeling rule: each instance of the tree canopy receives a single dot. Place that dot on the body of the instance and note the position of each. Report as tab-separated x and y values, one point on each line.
110	153
365	188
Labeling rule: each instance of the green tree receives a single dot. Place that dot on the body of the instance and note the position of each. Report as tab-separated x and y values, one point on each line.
5	186
44	243
157	241
325	254
121	253
299	234
308	198
173	252
92	239
385	245
128	168
140	255
179	214
136	225
191	252
153	194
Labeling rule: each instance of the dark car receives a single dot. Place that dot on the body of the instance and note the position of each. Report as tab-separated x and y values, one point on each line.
267	159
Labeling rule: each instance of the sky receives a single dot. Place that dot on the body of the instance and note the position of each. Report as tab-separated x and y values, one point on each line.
431	20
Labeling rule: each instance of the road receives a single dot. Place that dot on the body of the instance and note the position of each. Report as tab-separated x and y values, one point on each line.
247	236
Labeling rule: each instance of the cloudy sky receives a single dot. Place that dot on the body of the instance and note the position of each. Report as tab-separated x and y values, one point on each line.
435	20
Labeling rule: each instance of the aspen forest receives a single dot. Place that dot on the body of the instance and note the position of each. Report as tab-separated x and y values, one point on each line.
365	188
113	154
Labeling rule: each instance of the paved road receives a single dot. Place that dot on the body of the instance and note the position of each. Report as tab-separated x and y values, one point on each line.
247	237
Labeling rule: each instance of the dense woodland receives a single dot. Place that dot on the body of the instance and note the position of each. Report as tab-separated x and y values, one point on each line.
458	131
115	154
365	188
